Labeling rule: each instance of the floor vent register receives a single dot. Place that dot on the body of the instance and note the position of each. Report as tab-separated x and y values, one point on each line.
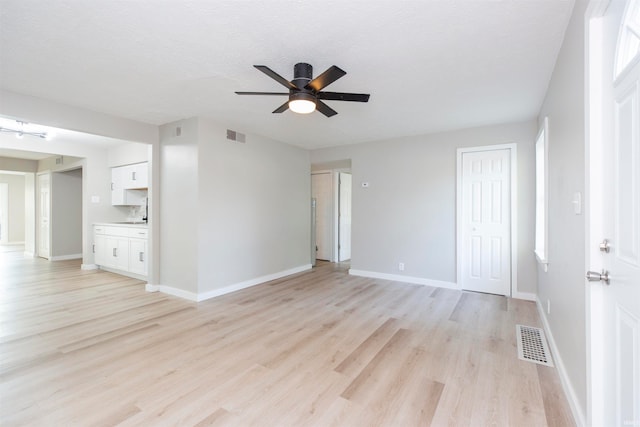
532	345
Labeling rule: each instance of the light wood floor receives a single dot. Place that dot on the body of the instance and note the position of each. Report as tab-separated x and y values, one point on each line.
320	348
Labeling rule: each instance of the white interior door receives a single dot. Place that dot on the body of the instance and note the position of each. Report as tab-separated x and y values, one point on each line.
344	217
615	186
4	213
322	191
485	258
44	215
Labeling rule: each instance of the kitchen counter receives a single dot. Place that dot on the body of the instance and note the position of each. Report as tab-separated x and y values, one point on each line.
124	224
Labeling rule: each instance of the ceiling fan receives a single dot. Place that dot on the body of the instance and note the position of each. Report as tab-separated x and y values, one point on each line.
305	94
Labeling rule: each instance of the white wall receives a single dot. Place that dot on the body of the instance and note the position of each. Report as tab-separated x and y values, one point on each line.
230	213
408	212
66	214
254	208
16	214
18	165
128	154
564	285
179	213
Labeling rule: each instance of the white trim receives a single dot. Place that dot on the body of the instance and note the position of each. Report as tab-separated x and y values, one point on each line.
527	296
569	391
513	147
405	279
88	267
29	254
12	244
251	282
65	257
123	273
542	253
196	297
593	168
170	290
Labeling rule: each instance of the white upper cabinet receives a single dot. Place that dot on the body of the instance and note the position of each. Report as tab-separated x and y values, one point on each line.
125	180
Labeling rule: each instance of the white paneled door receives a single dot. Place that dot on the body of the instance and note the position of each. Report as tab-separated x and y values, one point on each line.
322	191
615	306
485	257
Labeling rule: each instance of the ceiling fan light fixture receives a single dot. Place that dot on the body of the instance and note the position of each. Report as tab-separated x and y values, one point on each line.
302	103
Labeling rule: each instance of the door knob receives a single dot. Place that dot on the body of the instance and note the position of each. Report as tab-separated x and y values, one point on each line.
604	246
594	276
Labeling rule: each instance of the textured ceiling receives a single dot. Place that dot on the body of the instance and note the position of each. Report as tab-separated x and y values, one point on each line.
429	65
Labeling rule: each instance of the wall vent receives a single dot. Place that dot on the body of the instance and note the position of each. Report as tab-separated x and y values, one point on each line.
236	136
532	345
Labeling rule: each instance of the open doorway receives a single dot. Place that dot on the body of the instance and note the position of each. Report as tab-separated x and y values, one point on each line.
12	210
331	188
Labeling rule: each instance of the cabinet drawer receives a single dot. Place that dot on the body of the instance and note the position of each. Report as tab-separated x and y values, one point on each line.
117	231
139	233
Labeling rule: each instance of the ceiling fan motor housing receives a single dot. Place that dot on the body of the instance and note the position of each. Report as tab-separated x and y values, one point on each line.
302	74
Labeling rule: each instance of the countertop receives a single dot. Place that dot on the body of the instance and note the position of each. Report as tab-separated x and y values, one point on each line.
124	224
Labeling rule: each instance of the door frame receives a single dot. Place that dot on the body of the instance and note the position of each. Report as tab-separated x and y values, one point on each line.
513	149
38	212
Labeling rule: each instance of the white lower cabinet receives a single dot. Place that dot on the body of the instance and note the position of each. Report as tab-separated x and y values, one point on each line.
121	248
138	256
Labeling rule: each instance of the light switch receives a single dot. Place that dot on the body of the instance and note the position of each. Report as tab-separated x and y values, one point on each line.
577	203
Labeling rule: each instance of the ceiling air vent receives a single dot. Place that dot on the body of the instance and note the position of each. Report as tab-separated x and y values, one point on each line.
236	136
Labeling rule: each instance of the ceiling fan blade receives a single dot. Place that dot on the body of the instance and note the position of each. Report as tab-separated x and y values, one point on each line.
281	109
325	109
277	77
262	93
332	74
340	96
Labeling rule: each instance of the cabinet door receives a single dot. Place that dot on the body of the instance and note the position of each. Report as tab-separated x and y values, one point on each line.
99	249
118	178
139	176
117	253
138	256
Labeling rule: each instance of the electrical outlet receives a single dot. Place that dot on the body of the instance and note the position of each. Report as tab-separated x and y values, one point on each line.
401	266
548	306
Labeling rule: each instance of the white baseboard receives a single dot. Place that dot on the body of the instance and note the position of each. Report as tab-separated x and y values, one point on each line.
527	296
405	279
12	244
197	297
65	257
574	403
151	288
251	282
30	254
88	267
170	290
